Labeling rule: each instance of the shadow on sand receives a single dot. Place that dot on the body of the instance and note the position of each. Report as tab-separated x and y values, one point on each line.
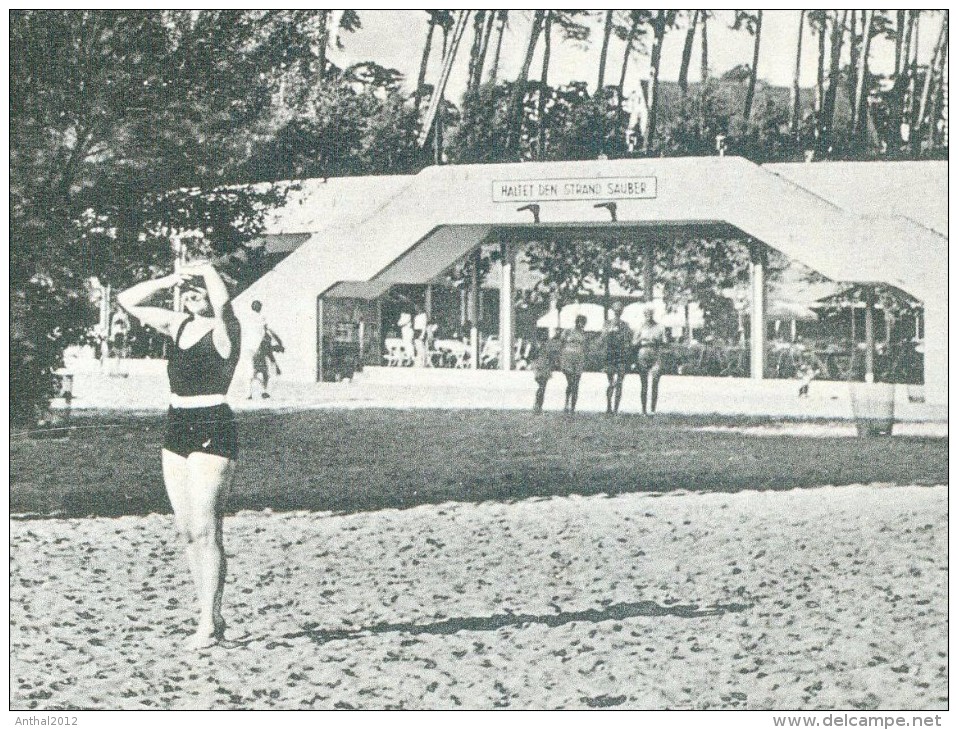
615	612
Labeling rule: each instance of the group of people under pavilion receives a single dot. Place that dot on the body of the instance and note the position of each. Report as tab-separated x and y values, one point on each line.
620	348
515	332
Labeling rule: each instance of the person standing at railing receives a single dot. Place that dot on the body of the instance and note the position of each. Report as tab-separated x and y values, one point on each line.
572	361
616	348
649	341
545	356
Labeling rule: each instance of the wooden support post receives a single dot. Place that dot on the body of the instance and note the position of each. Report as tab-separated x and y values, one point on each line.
869	335
106	291
474	311
428	302
320	352
507	305
757	277
648	270
554	313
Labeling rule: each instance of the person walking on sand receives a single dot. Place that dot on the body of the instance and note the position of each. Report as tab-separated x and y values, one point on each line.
543	362
200	447
263	357
649	339
572	361
120	341
616	347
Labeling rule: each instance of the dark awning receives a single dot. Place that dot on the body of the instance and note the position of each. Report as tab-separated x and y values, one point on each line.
357	290
436	253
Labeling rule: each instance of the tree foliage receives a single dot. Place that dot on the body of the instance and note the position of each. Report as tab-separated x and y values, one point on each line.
111	111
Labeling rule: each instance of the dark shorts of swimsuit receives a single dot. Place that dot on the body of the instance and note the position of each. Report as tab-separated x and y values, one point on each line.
617	366
209	430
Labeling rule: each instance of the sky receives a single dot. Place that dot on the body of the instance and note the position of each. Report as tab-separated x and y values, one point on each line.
395	38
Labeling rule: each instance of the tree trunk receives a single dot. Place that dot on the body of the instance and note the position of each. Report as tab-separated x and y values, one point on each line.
424	63
655	61
854	55
753	76
486	35
926	89
820	82
902	76
834	75
323	41
438	132
899	39
911	109
544	81
861	88
796	79
705	46
477	25
500	31
606	35
704	71
934	113
625	60
687	53
519	93
606	285
906	48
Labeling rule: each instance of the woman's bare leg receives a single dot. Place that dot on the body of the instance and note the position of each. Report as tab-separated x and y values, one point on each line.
197	487
619	378
175	477
575	392
209	478
654	374
644	379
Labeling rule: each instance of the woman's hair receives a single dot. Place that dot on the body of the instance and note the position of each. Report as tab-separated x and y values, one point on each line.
581	319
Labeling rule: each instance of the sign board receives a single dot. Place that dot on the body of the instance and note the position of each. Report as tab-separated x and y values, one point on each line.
584	188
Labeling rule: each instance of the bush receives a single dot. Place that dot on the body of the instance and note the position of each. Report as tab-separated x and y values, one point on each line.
44	320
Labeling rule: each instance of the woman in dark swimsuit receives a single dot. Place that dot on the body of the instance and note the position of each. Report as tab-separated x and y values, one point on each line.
199	451
649	340
616	339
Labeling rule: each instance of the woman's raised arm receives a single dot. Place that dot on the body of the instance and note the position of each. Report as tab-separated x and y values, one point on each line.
156	317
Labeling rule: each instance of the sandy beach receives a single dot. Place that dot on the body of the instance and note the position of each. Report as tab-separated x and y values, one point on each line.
818	598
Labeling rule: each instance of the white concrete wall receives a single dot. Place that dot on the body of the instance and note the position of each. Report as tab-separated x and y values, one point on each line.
289	308
936	351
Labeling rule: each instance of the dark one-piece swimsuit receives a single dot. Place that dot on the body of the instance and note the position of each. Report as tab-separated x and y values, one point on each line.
196	371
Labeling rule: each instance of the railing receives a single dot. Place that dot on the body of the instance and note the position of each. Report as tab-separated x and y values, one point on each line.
451	353
899	363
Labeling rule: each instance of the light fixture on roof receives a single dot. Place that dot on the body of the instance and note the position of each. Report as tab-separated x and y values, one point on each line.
534	208
611	207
